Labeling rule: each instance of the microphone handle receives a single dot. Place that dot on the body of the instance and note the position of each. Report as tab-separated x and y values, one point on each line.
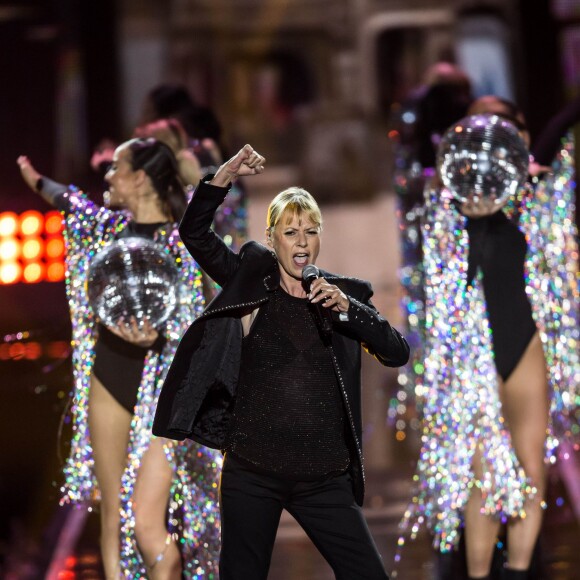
323	315
324	318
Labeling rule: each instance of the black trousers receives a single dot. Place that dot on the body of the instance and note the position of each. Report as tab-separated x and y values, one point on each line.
251	505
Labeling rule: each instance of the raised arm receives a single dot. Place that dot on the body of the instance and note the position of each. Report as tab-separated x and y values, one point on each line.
245	162
51	191
206	247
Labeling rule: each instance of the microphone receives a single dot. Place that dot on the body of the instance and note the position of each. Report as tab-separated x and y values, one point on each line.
323	317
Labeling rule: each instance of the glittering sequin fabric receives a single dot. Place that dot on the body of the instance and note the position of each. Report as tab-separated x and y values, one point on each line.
288	417
230	222
402	413
193	515
461	402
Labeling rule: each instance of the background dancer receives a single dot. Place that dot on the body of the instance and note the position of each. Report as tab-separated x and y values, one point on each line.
118	371
486	461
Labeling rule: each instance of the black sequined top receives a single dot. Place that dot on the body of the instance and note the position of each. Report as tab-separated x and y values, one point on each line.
288	417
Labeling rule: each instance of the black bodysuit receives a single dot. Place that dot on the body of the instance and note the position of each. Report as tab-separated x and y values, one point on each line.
118	364
498	248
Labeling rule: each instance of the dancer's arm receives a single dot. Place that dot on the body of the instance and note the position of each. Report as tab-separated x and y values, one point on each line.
50	190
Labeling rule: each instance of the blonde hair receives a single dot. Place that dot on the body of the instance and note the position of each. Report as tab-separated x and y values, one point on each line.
295	200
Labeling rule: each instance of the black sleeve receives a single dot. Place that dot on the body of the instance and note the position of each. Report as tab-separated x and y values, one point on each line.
207	248
365	323
54	193
375	333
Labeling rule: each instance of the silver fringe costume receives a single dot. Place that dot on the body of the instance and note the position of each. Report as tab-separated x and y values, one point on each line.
193	516
461	404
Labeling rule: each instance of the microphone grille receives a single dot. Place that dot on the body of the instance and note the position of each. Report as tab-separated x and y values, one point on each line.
310	271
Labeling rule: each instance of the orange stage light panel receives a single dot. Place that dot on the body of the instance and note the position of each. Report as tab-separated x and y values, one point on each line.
33	351
8	223
55	272
33	273
55	247
10	272
32	249
58	349
31	239
31	223
9	250
53	222
17	350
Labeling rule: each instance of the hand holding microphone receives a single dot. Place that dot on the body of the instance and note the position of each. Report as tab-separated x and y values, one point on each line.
324	297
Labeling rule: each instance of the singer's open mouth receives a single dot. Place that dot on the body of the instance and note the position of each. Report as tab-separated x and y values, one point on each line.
301	259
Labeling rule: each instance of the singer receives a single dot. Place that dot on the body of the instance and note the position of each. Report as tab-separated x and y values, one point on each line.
260	376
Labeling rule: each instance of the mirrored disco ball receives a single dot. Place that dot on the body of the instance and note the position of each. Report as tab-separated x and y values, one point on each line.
482	155
132	277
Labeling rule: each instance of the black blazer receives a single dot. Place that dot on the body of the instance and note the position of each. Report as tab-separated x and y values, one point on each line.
199	391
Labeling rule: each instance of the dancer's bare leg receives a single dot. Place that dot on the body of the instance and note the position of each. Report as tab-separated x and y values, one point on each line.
480	530
526	408
150	501
109	425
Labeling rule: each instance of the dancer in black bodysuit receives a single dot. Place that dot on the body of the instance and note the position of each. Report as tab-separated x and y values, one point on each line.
498	248
144	180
